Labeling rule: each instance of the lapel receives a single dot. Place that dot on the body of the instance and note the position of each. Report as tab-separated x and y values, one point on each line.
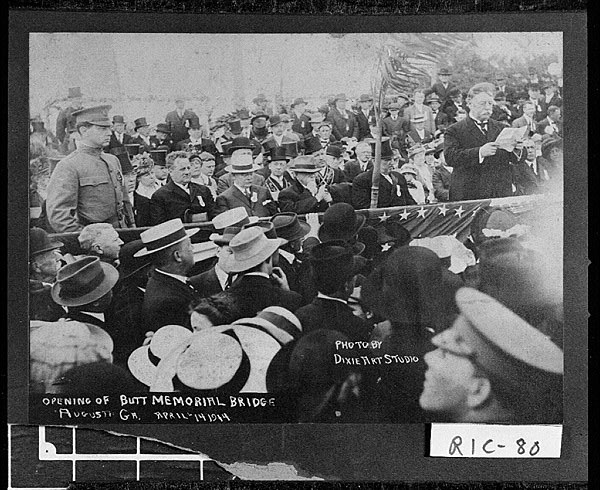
241	197
476	133
173	284
180	192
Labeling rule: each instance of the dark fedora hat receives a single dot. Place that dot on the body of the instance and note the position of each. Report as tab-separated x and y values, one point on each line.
288	226
266	226
83	281
392	231
40	242
163	128
278	154
140	123
444	71
159	157
336	256
132	149
241	143
549	142
340	222
121	153
118	119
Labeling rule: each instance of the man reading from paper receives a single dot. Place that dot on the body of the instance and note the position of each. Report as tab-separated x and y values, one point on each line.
482	166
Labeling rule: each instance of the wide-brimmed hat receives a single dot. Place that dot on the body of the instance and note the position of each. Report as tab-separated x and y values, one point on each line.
163	128
143	361
278	322
40	242
288	226
444	71
496	219
365	98
241	143
304	164
387	152
432	97
83	281
242	164
402	95
340	222
298	101
140	123
267	228
98	116
337	256
341	96
317	117
250	248
74	92
163	236
408	168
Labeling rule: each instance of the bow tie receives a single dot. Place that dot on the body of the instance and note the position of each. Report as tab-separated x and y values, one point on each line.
482	126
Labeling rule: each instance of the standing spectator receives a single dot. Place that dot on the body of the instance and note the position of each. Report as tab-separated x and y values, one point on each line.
363	162
418	132
168	294
418	108
278	137
440	118
300	120
342	120
101	240
66	125
442	87
552	124
197	143
181	198
142	135
501	86
394	125
550	97
365	117
279	178
87	186
179	120
481	169
533	90
118	137
454	105
159	158
441	179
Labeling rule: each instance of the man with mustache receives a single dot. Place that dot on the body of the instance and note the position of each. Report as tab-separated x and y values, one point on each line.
481	169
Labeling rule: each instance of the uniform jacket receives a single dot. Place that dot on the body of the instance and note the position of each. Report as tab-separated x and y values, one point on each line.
255	293
352	169
171	201
342	127
388	194
86	187
166	302
441	183
471	179
298	199
180	125
364	123
411	111
262	206
207	283
333	315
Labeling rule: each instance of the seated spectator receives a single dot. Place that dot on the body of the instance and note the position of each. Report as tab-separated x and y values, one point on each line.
363	162
440	179
552	162
204	169
146	187
180	198
159	157
552	123
44	263
416	189
480	373
168	293
333	268
304	196
279	178
416	158
330	173
101	240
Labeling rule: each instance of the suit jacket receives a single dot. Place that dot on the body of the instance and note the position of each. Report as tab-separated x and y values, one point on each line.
137	139
252	294
155	143
166	302
364	123
440	90
471	179
555	100
180	125
342	127
352	169
207	283
274	185
115	143
411	111
171	201
333	315
441	183
451	110
525	179
388	194
269	143
501	115
142	210
544	123
225	181
395	128
262	206
521	121
441	120
301	124
298	199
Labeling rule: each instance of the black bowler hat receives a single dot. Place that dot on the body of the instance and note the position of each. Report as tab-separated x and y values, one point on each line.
288	226
123	156
340	222
159	157
132	149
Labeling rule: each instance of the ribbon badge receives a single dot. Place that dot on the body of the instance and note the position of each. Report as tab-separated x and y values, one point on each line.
254	197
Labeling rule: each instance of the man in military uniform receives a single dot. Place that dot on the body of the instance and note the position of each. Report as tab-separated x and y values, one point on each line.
87	186
65	123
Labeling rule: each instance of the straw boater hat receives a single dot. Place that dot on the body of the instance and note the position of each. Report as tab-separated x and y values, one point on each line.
163	236
278	322
83	281
304	164
250	248
242	164
230	223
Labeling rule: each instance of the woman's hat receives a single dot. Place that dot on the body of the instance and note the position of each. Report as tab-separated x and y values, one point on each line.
40	242
250	248
163	236
407	168
278	322
83	281
242	164
288	226
340	222
140	123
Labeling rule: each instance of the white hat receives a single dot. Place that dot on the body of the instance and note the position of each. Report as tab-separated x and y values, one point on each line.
163	236
242	164
250	247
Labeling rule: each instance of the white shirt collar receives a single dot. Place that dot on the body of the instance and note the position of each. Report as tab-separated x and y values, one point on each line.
260	274
186	189
99	316
324	296
242	190
183	279
287	256
222	276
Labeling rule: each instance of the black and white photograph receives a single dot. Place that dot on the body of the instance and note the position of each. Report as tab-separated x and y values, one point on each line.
301	228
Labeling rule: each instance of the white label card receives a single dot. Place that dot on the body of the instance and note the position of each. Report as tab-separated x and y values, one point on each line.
495	441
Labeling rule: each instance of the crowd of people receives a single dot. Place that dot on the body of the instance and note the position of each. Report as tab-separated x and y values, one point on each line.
353	322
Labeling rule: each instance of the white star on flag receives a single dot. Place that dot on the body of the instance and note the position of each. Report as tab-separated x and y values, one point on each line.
421	212
443	209
459	211
384	217
404	214
385	247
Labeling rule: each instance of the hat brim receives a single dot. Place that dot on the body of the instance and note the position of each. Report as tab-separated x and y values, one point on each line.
235	266
305	170
301	233
231	170
218	239
144	251
325	234
264	116
140	366
51	246
111	276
